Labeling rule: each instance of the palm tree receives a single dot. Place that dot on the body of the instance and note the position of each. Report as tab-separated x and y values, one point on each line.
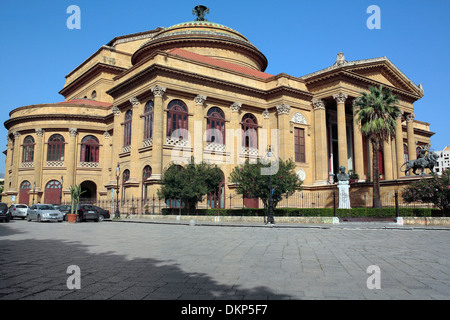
376	115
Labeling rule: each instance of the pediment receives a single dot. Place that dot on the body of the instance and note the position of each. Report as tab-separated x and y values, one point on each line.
384	71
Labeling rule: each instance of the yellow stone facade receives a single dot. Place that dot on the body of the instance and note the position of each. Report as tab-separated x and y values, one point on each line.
204	65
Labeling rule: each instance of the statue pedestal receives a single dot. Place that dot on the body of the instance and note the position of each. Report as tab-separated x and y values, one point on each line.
344	195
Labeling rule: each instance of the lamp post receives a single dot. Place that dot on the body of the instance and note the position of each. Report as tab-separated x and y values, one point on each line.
60	194
117	214
270	219
34	188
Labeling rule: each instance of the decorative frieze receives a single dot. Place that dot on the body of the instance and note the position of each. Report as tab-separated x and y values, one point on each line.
55	163
147	142
283	109
89	164
250	151
158	91
212	146
27	165
172	141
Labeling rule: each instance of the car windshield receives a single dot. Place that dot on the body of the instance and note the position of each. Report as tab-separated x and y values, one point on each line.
46	207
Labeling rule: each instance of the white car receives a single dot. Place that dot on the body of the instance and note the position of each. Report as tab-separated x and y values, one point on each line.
44	212
18	210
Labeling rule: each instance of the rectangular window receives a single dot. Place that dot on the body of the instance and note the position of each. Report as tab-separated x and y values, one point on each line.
299	138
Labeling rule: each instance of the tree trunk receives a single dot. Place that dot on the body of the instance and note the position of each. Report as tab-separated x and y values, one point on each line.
376	175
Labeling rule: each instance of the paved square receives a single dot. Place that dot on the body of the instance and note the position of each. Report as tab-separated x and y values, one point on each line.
167	261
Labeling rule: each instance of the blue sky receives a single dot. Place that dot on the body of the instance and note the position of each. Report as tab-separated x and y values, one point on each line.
297	37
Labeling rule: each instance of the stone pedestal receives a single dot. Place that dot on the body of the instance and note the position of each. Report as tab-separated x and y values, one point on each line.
344	195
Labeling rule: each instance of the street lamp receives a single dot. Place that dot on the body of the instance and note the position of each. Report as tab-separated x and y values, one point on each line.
34	188
117	214
270	219
60	194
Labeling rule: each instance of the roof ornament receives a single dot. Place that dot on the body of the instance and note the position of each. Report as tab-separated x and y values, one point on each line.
200	12
340	60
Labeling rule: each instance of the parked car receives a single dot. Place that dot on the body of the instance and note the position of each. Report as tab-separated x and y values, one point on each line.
88	212
18	210
4	212
44	212
64	208
104	214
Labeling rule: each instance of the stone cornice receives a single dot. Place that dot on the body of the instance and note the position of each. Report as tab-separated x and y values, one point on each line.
359	80
97	68
38	117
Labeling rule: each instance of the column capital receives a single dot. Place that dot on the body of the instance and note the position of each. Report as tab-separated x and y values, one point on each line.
73	131
158	91
340	97
318	104
236	107
283	109
410	117
266	114
16	134
39	132
134	101
115	110
200	100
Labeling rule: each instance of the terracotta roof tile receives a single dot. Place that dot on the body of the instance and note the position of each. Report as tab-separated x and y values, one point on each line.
220	63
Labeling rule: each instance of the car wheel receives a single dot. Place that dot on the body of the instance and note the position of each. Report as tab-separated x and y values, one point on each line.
28	218
100	218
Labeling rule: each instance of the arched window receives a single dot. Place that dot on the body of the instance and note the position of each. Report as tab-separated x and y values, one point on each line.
24	193
89	149
148	120
28	149
146	173
215	126
177	120
127	128
55	150
94	94
249	131
126	176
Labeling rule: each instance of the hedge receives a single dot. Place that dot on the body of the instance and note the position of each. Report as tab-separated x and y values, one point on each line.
312	212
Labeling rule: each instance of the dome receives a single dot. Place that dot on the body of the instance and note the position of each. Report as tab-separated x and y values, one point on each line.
206	38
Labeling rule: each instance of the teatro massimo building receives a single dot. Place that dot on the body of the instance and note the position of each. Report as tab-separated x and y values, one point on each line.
146	100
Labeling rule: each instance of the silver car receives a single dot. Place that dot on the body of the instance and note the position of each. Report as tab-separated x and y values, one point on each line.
44	212
18	210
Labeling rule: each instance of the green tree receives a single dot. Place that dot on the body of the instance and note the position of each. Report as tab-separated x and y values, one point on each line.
252	182
376	114
190	183
430	190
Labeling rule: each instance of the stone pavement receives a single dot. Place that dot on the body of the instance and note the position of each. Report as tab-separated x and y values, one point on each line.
121	261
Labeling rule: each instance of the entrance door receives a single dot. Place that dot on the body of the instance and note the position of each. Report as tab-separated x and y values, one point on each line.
24	193
53	192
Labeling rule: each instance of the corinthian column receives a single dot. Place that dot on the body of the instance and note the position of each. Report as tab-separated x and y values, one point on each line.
342	128
158	132
399	146
358	145
410	136
320	142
